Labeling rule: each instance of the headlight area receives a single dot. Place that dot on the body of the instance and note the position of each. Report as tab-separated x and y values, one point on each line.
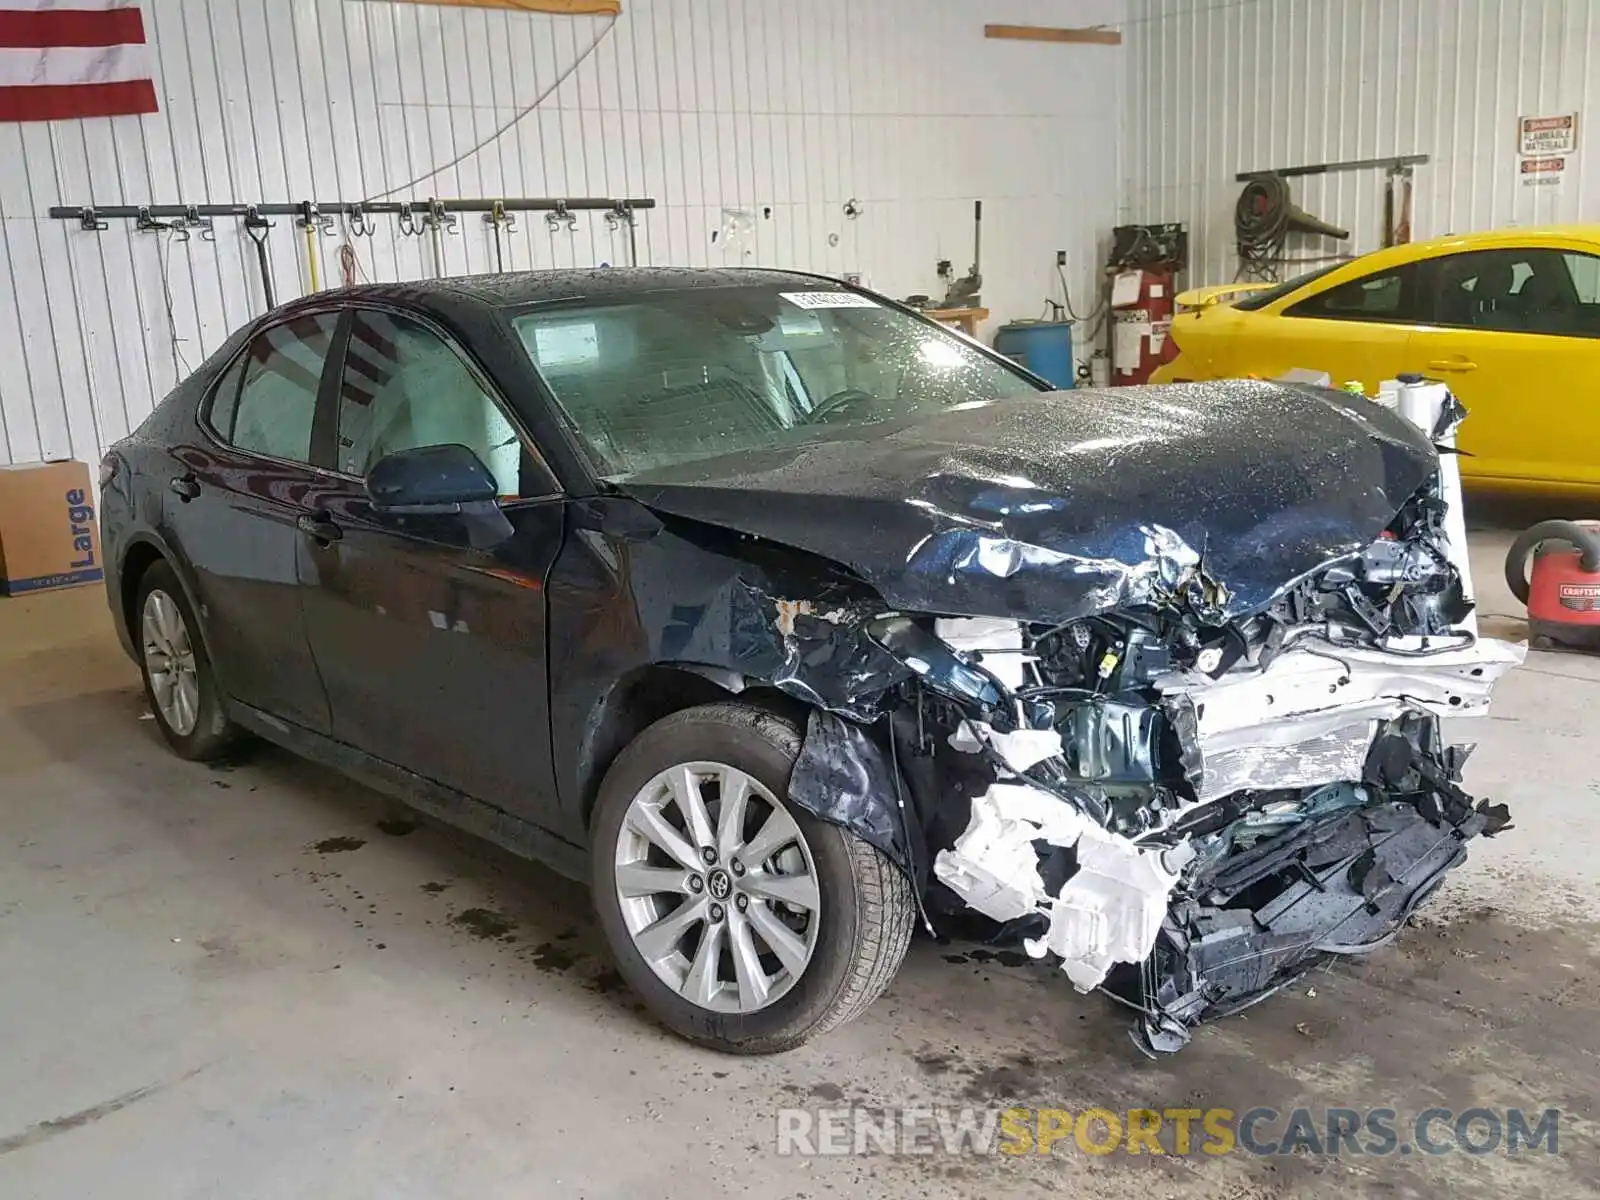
1187	815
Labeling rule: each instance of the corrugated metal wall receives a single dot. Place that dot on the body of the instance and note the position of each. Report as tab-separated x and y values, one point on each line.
713	107
1218	87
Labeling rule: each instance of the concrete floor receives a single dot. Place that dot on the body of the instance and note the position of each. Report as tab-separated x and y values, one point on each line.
252	982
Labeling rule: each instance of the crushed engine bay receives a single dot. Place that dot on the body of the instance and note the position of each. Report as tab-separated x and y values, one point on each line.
1201	749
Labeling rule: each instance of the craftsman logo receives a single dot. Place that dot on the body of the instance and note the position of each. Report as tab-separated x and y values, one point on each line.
81	516
1580	597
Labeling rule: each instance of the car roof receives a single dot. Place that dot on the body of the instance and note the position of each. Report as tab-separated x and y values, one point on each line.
1451	243
522	288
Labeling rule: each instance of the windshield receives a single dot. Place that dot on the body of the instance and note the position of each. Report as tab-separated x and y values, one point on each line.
678	376
1261	299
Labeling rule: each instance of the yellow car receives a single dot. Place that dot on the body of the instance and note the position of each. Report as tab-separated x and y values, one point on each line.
1510	320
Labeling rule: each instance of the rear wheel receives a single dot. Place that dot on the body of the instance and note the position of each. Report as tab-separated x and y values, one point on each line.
744	922
178	679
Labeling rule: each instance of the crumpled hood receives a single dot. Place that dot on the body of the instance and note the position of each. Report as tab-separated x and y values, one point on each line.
1052	507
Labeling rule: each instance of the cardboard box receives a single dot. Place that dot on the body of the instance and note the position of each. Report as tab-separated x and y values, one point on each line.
49	537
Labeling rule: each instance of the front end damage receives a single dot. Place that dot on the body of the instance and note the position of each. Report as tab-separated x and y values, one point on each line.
1159	685
1186	806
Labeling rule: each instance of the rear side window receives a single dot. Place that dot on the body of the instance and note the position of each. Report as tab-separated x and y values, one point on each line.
266	401
1521	291
1387	296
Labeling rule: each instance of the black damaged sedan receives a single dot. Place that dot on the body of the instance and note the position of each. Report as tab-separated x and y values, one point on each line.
789	619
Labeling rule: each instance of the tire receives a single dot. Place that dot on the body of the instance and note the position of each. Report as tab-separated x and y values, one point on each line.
865	904
211	734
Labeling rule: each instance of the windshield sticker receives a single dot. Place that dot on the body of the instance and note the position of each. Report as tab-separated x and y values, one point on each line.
568	344
801	324
829	300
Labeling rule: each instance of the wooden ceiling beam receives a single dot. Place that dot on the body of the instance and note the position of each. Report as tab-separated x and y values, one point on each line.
1044	33
567	8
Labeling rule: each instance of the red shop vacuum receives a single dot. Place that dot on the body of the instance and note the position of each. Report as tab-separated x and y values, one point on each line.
1563	593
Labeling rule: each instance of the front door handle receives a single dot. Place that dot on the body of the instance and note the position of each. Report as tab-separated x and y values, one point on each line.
320	526
1452	364
187	487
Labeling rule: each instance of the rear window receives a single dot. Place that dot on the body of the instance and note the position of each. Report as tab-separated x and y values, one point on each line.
1257	300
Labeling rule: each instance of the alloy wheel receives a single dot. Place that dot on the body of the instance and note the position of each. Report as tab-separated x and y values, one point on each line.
717	887
170	663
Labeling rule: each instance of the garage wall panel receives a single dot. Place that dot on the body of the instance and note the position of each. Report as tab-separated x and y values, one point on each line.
1217	88
752	122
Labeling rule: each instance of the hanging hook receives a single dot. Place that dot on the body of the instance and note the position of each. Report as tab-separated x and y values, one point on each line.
193	220
149	224
90	220
560	216
439	218
360	222
408	220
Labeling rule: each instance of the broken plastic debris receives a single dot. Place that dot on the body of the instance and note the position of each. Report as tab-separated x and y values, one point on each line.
1108	911
1019	750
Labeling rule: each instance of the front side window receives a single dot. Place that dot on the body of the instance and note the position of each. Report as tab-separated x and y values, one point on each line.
1521	291
403	387
266	401
1388	296
682	376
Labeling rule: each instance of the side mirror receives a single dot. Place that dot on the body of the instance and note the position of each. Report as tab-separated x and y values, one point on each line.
430	479
441	481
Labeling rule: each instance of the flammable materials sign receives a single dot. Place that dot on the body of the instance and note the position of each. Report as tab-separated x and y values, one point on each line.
1547	135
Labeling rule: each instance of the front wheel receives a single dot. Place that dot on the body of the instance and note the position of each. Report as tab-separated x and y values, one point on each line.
744	922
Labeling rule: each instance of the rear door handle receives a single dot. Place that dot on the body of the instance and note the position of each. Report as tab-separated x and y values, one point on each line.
186	486
1452	364
319	526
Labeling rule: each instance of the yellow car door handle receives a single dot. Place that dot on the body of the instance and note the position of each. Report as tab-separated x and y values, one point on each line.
1452	364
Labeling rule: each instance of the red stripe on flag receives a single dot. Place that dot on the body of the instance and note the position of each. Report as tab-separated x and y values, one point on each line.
70	27
66	101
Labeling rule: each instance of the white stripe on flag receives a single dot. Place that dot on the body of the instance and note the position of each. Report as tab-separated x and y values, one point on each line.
49	5
74	64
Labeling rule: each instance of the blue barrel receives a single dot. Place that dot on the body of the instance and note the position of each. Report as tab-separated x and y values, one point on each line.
1043	347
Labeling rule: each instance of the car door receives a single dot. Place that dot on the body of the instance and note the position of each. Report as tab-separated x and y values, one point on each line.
1516	335
433	650
1358	329
237	491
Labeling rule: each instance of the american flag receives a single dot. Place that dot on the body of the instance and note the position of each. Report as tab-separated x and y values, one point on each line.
61	59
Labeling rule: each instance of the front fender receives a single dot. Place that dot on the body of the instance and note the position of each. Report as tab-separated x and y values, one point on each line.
849	778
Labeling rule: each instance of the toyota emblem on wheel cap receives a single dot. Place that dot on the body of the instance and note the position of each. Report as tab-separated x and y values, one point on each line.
719	885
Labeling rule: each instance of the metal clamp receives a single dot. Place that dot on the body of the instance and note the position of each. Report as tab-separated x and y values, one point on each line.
146	223
193	220
90	222
618	215
312	217
438	218
255	225
499	217
559	216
